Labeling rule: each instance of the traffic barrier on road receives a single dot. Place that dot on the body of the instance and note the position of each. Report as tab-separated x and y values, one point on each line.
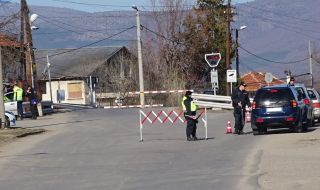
229	127
213	101
172	117
133	106
248	117
160	92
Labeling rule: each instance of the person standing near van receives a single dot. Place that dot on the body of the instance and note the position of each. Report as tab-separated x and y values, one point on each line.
240	100
18	97
33	101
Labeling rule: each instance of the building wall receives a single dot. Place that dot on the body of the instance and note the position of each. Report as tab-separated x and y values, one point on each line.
74	91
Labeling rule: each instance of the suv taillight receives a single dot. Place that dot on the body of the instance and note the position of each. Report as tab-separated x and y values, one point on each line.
254	105
293	103
316	105
306	101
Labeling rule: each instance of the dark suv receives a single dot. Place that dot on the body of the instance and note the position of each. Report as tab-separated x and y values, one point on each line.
276	107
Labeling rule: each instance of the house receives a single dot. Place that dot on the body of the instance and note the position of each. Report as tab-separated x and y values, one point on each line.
70	69
256	80
10	52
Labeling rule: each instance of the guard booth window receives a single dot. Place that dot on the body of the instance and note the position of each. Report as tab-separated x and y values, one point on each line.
74	91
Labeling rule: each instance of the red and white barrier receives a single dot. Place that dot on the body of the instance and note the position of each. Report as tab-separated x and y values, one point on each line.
133	106
160	92
172	117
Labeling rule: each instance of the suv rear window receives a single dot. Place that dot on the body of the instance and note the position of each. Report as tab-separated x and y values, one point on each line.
276	97
312	95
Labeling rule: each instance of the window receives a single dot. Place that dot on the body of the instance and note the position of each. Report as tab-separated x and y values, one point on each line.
312	95
274	97
75	90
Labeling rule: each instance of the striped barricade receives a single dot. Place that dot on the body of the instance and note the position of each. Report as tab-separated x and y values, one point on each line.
172	117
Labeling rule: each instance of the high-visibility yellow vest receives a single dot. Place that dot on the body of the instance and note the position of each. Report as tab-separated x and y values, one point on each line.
192	105
17	93
182	104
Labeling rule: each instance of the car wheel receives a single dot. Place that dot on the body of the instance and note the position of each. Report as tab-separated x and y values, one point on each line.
255	132
7	122
299	129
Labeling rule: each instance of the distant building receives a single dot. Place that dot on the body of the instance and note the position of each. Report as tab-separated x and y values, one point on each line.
10	57
256	80
70	69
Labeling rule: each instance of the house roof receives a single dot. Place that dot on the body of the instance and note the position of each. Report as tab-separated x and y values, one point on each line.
74	62
256	80
8	41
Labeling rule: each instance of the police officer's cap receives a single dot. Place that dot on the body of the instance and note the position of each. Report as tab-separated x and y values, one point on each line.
292	79
188	93
243	84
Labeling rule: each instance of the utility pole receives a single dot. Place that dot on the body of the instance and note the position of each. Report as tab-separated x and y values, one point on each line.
22	69
49	74
28	70
228	47
237	53
310	63
1	92
141	81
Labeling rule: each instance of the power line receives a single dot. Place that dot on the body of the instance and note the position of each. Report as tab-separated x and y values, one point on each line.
287	27
280	14
113	6
90	44
268	60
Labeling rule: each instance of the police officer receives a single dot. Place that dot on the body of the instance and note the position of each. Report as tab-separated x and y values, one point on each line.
240	100
190	112
18	96
32	101
291	82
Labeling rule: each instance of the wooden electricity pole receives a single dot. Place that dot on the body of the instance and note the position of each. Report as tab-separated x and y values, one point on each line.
228	45
28	67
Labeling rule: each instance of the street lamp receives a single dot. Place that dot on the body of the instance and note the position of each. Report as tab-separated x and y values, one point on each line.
237	51
141	81
32	18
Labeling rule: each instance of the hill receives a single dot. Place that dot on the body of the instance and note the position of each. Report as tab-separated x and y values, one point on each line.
276	37
279	31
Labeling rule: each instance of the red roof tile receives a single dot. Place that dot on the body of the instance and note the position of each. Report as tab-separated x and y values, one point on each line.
255	80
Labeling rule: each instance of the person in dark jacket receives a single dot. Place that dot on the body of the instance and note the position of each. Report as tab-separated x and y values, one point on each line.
33	101
190	112
291	82
240	100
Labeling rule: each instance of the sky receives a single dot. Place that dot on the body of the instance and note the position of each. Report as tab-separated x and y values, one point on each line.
100	5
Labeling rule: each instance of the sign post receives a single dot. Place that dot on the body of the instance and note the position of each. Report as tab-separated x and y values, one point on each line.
268	78
231	77
213	60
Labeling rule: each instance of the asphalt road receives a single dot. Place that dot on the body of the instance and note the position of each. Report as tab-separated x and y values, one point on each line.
100	149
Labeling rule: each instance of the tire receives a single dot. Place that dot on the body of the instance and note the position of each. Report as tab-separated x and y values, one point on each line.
7	122
299	129
255	132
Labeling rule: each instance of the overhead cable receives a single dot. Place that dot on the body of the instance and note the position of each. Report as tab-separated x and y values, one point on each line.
87	45
268	60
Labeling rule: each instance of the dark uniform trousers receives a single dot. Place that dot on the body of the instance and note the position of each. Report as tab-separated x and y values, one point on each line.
191	127
239	119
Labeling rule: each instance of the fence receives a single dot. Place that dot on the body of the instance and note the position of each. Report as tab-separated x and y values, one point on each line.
171	117
213	101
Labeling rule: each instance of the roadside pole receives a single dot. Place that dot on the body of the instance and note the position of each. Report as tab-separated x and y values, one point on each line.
1	92
231	78
213	60
310	63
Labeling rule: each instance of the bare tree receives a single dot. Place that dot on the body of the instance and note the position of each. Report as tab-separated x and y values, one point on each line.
118	76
